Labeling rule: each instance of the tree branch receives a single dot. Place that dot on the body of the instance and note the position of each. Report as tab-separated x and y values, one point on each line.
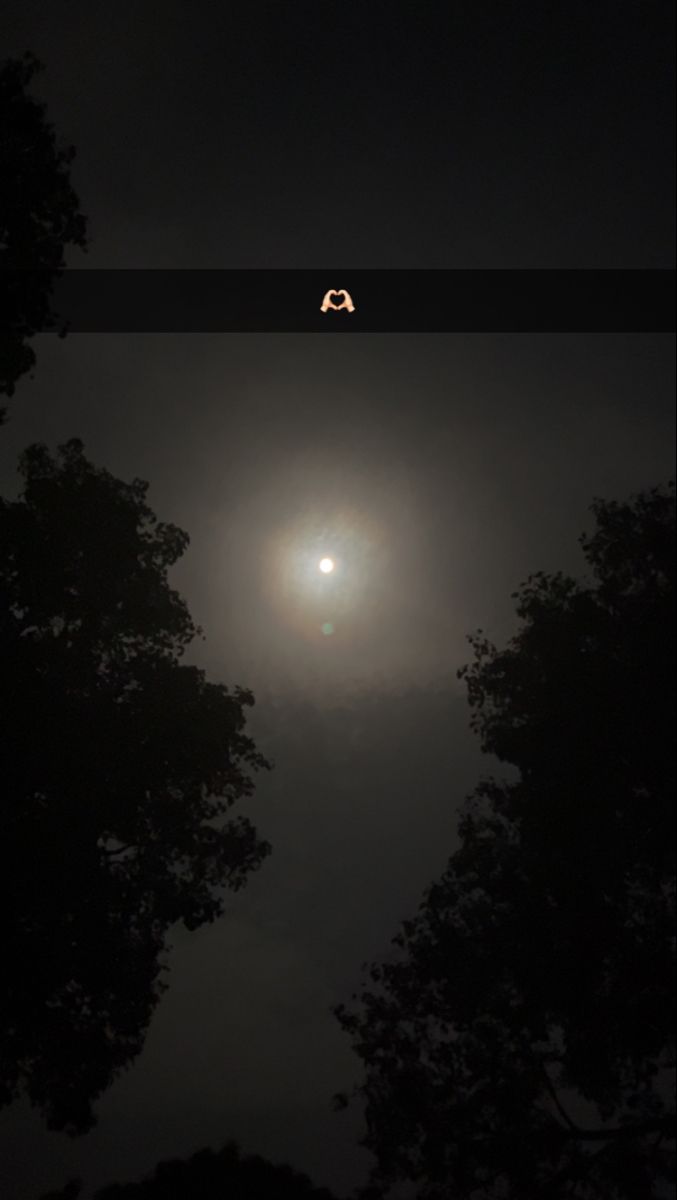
571	1172
666	1126
558	1104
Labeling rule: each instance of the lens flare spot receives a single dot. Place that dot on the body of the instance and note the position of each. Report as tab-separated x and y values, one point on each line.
326	565
327	628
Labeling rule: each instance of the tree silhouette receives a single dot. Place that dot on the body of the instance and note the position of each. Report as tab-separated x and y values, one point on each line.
520	1039
212	1175
39	218
70	1191
120	764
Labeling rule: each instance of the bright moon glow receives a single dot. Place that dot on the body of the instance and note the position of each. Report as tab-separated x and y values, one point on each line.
326	565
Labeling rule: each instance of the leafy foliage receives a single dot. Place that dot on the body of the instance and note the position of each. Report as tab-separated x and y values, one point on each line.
521	1040
120	767
208	1174
39	217
211	1175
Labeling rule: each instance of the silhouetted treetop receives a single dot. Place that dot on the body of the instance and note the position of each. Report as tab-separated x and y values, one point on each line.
217	1175
121	766
521	1042
39	217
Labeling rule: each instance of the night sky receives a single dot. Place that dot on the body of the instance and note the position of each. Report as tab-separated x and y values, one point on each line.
439	470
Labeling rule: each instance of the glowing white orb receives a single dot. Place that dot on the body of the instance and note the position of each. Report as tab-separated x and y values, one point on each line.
326	565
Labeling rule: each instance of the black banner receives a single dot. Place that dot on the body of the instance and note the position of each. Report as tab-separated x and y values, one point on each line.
361	301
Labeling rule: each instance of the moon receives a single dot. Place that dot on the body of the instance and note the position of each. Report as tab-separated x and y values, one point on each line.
326	565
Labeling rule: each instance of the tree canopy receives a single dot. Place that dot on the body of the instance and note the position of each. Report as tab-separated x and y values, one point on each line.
39	217
120	767
210	1175
520	1039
